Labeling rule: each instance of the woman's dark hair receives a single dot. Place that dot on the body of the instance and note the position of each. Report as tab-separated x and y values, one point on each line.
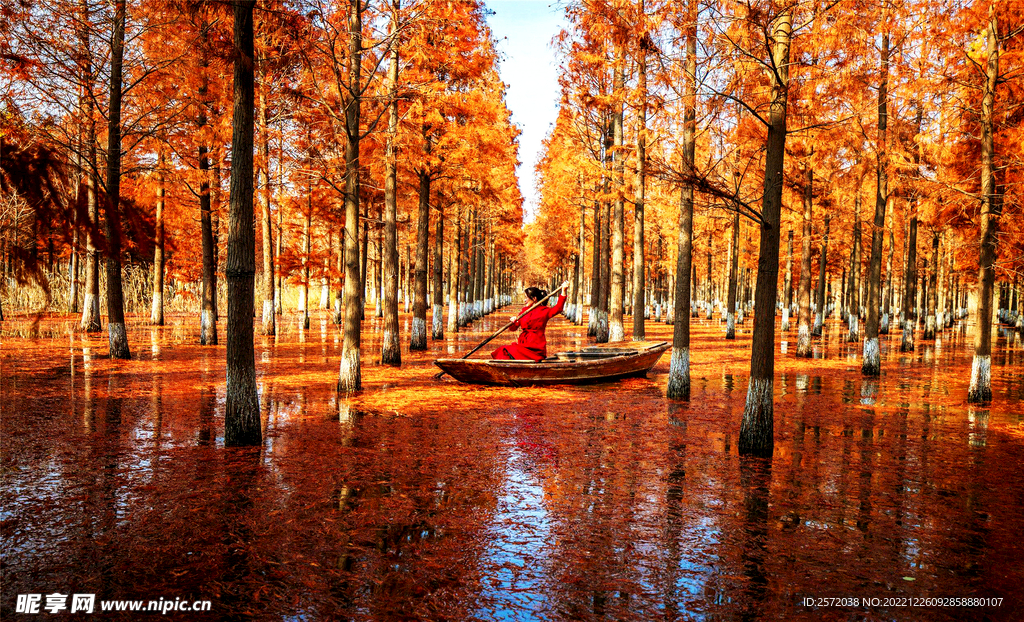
535	293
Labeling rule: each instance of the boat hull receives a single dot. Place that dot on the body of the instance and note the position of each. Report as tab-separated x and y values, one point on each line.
562	371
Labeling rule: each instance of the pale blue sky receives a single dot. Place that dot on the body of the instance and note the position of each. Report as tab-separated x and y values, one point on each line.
524	30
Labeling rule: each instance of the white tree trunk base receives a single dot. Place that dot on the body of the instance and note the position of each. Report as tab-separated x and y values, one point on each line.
803	340
981	380
418	337
785	318
349	374
872	363
730	326
437	322
679	374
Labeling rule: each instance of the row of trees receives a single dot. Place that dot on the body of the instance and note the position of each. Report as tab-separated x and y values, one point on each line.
348	120
853	128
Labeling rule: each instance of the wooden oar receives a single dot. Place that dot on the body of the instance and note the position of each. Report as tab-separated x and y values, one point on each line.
506	327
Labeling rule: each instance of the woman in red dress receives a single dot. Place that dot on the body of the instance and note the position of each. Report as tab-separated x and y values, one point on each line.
532	345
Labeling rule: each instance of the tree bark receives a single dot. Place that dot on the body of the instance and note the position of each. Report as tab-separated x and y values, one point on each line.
757	426
350	370
980	390
418	336
639	288
616	331
933	290
269	324
872	363
207	319
242	412
803	339
679	368
734	251
819	301
90	321
787	288
156	316
118	337
454	263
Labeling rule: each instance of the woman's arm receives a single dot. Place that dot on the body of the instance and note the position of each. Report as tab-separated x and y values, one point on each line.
555	310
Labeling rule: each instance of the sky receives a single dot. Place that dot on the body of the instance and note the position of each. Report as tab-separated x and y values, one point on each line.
524	30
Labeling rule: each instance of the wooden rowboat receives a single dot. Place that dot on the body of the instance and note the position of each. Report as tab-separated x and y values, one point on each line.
591	364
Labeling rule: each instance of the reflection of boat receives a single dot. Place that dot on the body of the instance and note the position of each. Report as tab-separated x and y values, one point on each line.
608	361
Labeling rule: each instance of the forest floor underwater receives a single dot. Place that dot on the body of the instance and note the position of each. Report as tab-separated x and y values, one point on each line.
887	498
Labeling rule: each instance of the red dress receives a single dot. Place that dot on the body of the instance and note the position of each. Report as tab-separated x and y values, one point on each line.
531	344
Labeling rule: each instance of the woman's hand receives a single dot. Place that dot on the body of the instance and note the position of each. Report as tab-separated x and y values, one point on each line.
565	284
513	318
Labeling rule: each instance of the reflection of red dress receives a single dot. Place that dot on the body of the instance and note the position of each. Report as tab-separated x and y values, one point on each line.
531	344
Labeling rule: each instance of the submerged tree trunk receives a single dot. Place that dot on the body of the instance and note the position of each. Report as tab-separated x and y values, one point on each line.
595	277
883	327
872	364
787	289
418	336
730	318
639	289
679	369
350	370
616	331
156	316
207	319
910	283
803	339
981	368
933	290
454	263
758	424
242	410
819	299
391	350
269	324
118	337
90	321
437	294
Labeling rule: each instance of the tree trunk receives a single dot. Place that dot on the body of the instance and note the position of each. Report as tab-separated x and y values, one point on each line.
595	276
437	295
883	327
118	338
207	319
418	337
734	248
679	368
581	258
242	411
307	223
787	288
350	370
981	375
639	289
803	339
157	313
933	290
853	284
872	364
90	321
819	301
757	426
454	263
910	283
269	324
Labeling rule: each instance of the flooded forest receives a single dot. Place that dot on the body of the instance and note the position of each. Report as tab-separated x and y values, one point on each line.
298	321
